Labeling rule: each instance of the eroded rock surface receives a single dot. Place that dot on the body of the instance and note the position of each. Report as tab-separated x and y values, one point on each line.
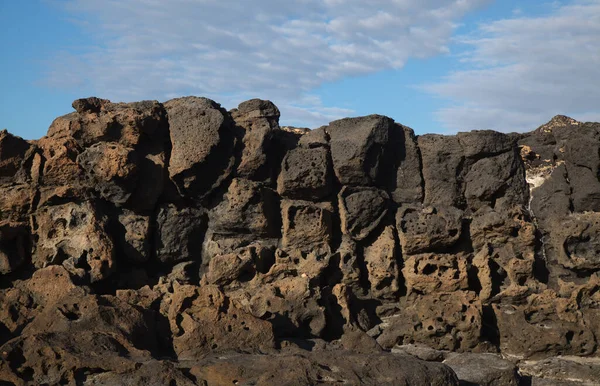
180	243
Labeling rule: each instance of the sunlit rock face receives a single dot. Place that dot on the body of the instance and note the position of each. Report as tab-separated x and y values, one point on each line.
187	244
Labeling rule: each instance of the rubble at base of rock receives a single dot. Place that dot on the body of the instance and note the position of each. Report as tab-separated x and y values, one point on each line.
180	243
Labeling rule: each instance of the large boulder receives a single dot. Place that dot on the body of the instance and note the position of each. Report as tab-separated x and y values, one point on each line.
203	139
361	210
100	120
260	120
112	169
443	160
357	148
567	371
306	174
553	325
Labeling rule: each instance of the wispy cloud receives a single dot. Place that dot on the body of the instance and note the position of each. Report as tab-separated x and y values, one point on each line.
232	50
521	71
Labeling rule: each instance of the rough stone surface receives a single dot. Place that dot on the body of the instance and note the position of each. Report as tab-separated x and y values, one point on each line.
203	320
202	137
361	210
306	226
428	229
357	148
184	244
576	370
322	367
260	121
484	370
179	233
305	174
74	235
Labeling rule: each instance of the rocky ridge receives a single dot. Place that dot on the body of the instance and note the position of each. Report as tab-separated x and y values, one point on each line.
182	244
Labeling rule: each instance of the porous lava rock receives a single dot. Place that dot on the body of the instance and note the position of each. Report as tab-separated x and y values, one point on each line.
181	243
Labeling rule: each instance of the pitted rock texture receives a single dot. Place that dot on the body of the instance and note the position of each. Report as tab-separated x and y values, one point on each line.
180	243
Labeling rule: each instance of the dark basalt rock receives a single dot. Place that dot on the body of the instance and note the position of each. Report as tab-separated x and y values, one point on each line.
305	174
361	210
260	120
179	233
203	140
184	244
357	148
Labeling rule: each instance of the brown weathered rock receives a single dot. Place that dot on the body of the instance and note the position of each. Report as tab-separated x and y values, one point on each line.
26	299
381	260
288	302
77	334
111	169
428	229
446	321
73	235
116	149
98	120
61	177
436	272
151	373
203	320
225	269
13	151
307	226
553	327
230	258
577	370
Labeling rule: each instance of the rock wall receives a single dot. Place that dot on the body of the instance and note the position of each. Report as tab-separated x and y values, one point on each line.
136	233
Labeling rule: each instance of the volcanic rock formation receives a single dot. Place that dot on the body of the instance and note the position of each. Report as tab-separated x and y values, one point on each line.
182	244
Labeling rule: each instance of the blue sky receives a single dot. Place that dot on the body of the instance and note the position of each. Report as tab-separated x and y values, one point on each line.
435	65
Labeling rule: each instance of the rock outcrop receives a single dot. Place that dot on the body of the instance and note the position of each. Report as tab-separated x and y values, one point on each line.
180	243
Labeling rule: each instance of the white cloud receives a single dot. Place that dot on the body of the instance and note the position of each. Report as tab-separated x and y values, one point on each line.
232	50
521	71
